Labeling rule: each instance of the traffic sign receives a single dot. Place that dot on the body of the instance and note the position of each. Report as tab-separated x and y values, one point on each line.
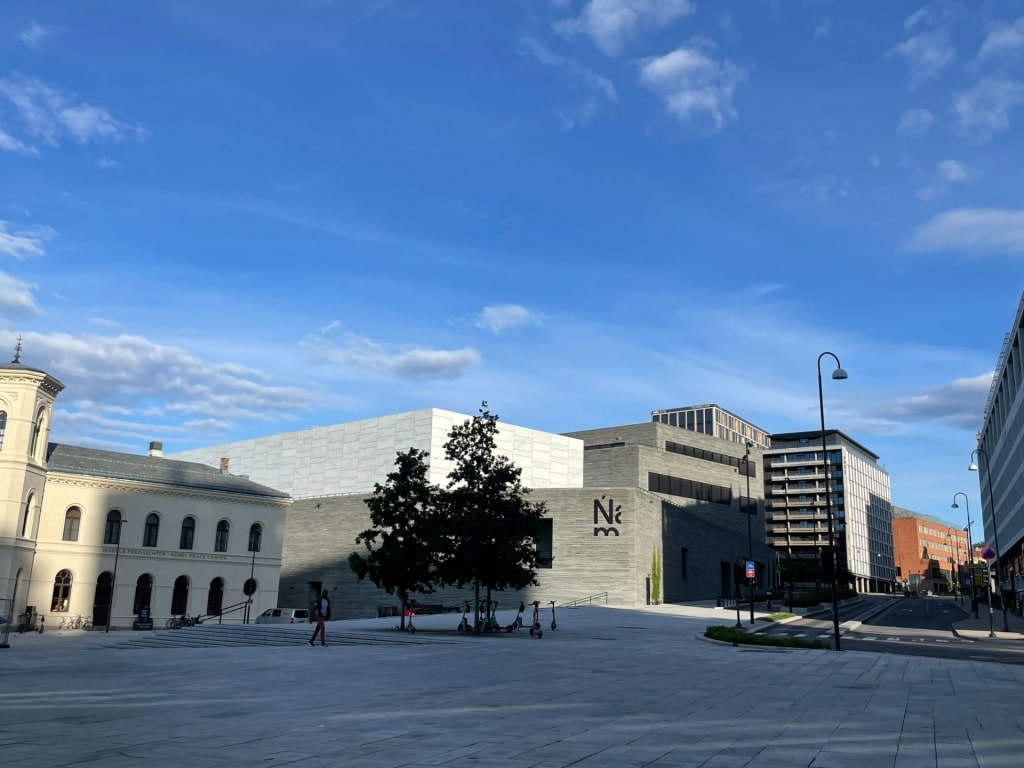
988	553
751	569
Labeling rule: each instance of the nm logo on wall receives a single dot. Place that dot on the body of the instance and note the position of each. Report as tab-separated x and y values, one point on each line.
610	515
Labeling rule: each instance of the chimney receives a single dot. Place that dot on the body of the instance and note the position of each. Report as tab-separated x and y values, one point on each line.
156	448
224	461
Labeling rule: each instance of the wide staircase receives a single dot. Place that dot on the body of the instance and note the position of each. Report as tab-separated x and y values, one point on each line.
238	635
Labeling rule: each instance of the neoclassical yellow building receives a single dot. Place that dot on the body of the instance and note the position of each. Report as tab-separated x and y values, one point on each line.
101	534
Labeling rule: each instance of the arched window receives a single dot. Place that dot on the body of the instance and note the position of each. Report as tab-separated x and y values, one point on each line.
61	592
220	544
255	537
37	428
151	531
26	514
3	428
188	533
112	533
179	598
72	519
215	598
143	593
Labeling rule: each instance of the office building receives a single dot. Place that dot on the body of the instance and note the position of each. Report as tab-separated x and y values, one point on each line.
713	420
930	554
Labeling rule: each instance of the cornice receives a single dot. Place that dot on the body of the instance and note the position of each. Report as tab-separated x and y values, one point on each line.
130	486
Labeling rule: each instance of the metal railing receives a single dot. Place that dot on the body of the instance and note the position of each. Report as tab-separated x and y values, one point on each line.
586	600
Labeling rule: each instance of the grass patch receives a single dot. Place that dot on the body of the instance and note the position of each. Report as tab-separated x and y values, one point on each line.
777	616
742	637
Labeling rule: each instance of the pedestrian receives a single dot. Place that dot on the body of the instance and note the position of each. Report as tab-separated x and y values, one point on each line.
322	612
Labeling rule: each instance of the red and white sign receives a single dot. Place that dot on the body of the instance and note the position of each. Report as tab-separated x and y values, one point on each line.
988	553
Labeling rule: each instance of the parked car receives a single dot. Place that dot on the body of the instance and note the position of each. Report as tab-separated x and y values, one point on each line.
284	616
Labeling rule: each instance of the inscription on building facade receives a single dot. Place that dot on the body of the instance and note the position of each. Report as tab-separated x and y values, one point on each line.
611	516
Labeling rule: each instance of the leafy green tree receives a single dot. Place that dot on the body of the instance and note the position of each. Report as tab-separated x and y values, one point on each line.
490	527
400	549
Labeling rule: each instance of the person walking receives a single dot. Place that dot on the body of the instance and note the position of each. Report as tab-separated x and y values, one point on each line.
321	613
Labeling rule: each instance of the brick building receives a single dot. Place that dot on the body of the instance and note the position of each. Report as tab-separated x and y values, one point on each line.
930	554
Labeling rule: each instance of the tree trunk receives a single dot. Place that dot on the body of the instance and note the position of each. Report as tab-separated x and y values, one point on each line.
476	611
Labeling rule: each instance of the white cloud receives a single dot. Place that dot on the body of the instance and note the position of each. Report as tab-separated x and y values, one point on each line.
947	172
874	161
35	34
139	376
1004	41
915	122
505	317
50	115
956	404
10	144
976	230
984	110
16	297
927	54
23	243
823	30
613	23
361	355
696	88
106	162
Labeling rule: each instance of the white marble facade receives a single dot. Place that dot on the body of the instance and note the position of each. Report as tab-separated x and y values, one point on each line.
351	457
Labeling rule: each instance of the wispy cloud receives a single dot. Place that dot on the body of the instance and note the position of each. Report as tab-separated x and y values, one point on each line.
595	85
105	162
50	115
823	31
35	35
613	23
947	173
360	355
915	122
983	111
505	317
695	87
957	404
974	230
1004	41
22	244
927	54
16	297
10	144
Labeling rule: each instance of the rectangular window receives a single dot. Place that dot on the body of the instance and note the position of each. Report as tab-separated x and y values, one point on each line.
545	543
682	562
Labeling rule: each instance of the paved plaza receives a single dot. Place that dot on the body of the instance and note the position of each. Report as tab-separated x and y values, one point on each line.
610	688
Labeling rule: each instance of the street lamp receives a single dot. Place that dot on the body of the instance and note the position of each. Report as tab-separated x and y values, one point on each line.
970	548
995	536
255	539
750	538
838	373
113	578
955	570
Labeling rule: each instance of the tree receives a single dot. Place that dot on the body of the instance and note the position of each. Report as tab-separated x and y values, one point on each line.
489	526
400	549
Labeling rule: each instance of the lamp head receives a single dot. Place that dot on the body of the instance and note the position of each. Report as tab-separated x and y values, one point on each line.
839	373
955	505
972	467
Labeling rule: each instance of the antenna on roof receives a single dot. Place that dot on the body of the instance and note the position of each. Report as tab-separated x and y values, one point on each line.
17	351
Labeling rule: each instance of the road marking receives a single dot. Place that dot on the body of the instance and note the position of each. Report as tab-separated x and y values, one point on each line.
892	639
940	640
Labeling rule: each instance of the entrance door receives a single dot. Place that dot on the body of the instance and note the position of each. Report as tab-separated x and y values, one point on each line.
101	602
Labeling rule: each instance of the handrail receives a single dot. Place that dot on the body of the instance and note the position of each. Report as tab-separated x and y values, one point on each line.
588	600
221	613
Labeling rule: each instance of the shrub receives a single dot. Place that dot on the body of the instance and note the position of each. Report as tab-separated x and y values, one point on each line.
742	637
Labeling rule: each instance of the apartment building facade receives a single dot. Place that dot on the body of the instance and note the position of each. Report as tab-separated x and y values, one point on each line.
713	420
860	499
1000	462
931	555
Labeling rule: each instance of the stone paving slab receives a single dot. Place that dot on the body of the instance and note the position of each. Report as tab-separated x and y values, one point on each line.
610	688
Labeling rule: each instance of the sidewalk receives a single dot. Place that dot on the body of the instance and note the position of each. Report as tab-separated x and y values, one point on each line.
978	628
610	688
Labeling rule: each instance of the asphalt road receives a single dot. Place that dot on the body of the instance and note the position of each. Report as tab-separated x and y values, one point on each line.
915	626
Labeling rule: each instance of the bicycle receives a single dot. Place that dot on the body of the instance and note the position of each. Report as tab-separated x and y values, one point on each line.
174	622
87	623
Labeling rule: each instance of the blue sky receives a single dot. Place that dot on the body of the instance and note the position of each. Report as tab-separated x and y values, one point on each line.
217	224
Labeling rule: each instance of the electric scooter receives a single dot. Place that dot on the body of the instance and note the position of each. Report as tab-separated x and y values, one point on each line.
518	621
535	630
464	624
554	625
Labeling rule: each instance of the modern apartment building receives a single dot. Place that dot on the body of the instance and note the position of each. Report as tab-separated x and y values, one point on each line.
713	420
859	493
1000	461
930	553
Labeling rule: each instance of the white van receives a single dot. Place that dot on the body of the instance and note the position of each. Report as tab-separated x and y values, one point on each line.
284	616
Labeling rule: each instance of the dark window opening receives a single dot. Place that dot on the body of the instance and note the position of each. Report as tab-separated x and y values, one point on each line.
72	520
152	530
112	531
188	533
545	543
220	543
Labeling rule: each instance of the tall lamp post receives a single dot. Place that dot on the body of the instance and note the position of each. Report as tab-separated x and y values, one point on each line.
113	578
838	373
970	548
973	467
255	536
750	537
954	572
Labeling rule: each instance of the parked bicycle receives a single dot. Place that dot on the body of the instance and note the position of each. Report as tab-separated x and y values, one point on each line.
177	622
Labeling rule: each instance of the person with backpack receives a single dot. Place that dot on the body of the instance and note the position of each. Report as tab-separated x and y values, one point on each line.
322	612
